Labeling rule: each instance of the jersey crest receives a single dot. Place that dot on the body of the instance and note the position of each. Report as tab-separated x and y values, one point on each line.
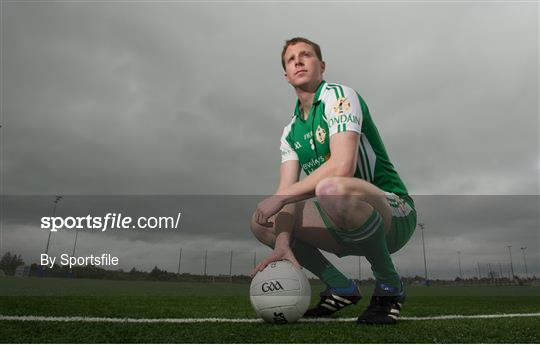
320	133
342	106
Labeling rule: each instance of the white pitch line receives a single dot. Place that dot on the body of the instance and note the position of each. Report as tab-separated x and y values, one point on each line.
216	320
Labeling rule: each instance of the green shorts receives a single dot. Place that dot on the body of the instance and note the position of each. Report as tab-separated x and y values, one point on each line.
401	230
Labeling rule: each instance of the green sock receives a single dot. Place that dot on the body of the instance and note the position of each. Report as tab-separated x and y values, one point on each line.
375	250
313	260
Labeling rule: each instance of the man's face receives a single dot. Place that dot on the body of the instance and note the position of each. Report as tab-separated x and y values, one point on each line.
302	66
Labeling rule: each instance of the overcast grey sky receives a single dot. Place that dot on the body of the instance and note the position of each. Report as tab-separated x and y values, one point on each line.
189	98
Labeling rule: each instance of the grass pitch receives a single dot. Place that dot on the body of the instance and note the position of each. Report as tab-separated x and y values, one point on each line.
157	300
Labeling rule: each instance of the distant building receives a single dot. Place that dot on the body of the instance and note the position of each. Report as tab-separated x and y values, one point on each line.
22	271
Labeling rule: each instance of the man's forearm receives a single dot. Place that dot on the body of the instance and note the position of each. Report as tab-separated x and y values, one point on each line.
284	225
305	188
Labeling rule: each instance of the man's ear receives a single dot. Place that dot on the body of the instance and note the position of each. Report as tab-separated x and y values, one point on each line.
323	66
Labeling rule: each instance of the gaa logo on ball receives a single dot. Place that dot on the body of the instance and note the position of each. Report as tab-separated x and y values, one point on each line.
271	286
280	293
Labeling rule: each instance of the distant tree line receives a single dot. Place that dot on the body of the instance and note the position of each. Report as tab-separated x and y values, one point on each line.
156	274
10	262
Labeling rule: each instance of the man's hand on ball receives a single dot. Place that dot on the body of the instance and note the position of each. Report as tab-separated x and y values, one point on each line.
279	253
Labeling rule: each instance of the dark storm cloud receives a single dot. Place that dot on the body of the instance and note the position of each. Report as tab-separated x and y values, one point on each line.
183	98
158	98
131	105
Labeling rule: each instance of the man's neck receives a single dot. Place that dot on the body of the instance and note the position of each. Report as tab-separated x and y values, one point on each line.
305	96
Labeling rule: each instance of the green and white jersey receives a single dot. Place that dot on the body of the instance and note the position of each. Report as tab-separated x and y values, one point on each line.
338	108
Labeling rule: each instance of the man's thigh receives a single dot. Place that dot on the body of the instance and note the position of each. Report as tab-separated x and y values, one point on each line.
404	219
348	202
310	228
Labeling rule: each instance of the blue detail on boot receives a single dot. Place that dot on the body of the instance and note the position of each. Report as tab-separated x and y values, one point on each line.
351	290
383	289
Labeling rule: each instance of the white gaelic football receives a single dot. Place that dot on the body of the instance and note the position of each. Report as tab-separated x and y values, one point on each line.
280	293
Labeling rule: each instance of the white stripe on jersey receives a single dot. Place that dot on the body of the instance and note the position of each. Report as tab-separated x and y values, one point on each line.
371	156
287	152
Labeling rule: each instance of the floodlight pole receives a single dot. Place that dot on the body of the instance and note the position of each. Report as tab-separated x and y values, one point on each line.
205	260
511	263
525	261
179	260
479	275
75	242
230	266
422	225
459	263
500	270
73	251
56	200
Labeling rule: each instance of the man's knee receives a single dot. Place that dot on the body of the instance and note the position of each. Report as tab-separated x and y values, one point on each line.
343	186
263	234
336	194
339	197
331	186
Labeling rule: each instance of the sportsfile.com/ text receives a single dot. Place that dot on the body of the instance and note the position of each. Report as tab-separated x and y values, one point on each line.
111	221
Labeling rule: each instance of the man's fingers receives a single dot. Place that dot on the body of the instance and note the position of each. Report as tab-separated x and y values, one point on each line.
262	220
255	270
265	263
293	261
262	265
296	263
